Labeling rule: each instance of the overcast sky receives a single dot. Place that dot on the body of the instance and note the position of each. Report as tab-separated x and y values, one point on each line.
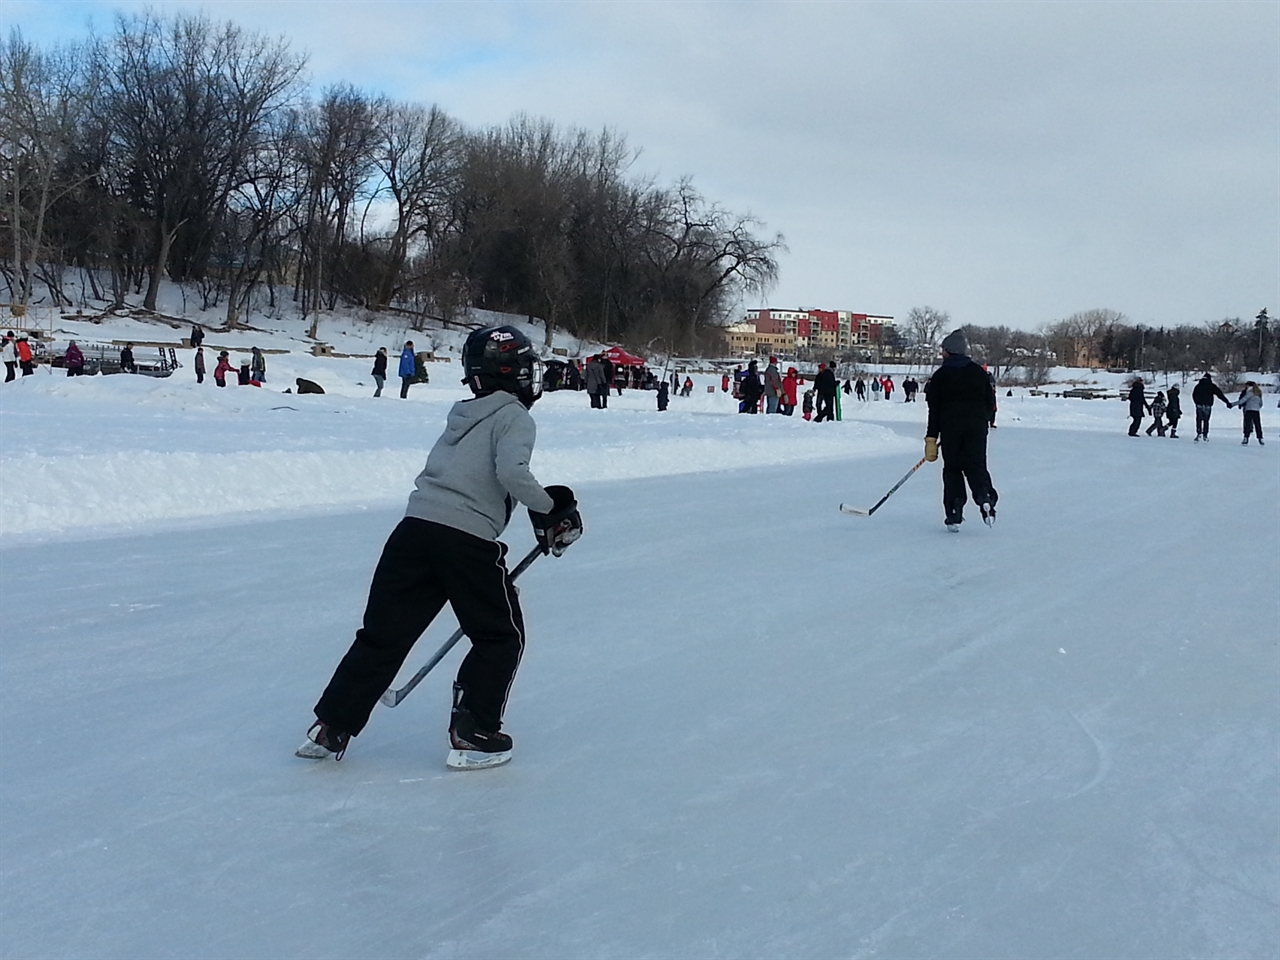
1007	162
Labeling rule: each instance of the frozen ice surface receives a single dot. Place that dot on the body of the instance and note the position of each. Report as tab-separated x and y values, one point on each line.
746	725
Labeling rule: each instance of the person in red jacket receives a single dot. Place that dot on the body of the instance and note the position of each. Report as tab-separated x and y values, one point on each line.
790	385
222	369
26	359
724	383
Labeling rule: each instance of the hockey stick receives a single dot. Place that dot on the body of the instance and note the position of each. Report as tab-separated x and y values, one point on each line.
393	697
845	508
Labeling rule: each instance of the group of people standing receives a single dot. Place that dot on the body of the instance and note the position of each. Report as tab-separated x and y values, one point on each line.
252	372
16	351
769	388
1168	407
407	369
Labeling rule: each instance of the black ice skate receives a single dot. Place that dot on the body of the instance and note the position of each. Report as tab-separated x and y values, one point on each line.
323	742
473	746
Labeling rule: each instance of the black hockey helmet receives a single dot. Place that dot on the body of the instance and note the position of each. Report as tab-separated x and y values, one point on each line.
502	359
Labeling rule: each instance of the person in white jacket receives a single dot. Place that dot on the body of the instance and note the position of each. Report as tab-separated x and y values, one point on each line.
1250	401
10	357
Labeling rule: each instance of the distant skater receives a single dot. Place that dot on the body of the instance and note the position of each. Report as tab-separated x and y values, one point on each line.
1137	405
960	400
1157	411
1173	410
1250	402
1202	396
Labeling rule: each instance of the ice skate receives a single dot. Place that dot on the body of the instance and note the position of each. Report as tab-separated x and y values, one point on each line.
323	742
473	747
988	513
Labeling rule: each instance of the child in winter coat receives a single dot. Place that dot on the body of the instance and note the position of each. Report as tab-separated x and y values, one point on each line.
1157	411
807	408
1173	411
1250	401
222	369
446	550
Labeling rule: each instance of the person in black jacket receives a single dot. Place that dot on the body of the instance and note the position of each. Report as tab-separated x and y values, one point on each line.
751	389
961	403
1137	405
1173	411
1202	396
825	386
379	372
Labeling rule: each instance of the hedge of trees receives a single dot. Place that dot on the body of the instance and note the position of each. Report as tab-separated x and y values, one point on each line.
1106	338
181	147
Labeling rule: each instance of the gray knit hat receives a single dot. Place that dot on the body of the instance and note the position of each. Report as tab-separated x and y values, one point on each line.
955	344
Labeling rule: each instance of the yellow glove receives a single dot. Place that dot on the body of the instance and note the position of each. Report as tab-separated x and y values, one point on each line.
931	448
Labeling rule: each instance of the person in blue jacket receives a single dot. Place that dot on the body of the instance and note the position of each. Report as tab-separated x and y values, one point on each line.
408	368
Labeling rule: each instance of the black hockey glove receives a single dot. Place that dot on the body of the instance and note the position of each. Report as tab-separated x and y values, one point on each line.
562	526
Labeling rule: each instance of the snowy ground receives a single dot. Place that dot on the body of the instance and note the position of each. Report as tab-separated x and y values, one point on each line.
746	724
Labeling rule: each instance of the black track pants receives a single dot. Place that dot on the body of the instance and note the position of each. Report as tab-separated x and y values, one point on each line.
964	457
423	566
1252	422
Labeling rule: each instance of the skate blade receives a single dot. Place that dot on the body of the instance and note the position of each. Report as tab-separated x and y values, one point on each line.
310	750
475	759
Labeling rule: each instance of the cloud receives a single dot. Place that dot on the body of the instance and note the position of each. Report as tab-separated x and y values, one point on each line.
1010	162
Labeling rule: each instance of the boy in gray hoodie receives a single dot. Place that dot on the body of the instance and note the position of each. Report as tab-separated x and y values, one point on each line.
446	550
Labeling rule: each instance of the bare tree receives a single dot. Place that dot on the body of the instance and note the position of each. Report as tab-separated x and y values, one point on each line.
926	325
42	101
418	152
186	102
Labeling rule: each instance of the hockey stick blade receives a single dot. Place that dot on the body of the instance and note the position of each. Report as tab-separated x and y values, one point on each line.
855	511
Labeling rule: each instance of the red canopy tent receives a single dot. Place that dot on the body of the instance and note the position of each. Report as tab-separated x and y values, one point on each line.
620	358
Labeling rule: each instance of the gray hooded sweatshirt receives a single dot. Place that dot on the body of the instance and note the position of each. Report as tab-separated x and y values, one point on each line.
478	466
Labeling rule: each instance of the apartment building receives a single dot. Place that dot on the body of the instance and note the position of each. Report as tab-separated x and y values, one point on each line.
788	331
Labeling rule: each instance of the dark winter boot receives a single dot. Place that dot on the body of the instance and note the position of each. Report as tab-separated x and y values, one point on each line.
322	742
473	746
